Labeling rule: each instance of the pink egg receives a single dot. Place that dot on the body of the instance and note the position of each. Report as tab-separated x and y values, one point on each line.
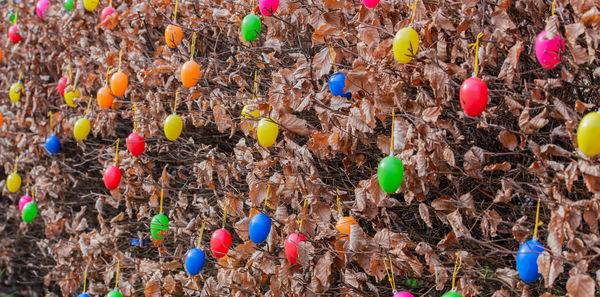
370	3
549	51
24	200
268	7
41	7
403	294
106	12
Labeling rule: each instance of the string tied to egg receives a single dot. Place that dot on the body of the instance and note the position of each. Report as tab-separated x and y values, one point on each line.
475	47
537	220
332	54
412	16
390	273
457	264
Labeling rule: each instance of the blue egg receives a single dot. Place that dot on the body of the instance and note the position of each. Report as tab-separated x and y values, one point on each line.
83	295
259	228
337	83
527	260
52	145
194	261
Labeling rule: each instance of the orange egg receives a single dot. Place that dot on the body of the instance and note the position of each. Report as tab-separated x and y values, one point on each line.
0	56
1	119
105	97
173	35
118	83
190	74
344	224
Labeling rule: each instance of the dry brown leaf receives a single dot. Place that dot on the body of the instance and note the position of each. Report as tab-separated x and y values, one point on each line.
581	285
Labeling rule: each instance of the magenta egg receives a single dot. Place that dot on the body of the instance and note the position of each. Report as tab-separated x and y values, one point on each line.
41	7
106	12
268	7
370	3
549	51
24	200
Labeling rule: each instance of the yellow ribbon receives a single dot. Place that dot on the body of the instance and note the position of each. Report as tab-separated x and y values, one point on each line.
162	194
16	14
201	232
475	46
117	152
120	57
537	219
33	194
224	212
85	277
50	116
338	203
392	135
134	118
175	107
267	197
193	46
87	110
252	7
332	54
300	223
117	281
254	85
457	265
16	160
69	70
27	190
106	78
553	6
414	9
175	15
390	273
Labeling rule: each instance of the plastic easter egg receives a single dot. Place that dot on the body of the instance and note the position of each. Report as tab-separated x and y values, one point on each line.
406	45
69	5
173	126
15	92
451	294
390	174
527	260
473	96
0	55
118	83
114	293
70	95
403	294
194	261
82	128
106	12
267	131
259	228
14	34
52	145
29	212
62	85
90	5
246	114
291	247
1	119
112	177
587	134
549	51
268	7
12	17
105	97
220	241
250	27
371	4
24	200
159	226
173	35
13	182
337	83
343	225
41	7
190	74
83	295
135	144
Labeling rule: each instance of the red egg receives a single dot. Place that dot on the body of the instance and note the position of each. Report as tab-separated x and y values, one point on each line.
13	34
135	144
112	177
473	96
220	241
62	85
291	247
106	12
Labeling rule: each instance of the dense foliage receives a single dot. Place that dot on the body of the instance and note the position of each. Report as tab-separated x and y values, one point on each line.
470	186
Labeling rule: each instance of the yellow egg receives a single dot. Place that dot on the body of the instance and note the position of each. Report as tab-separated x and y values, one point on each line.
71	95
90	5
406	45
246	114
173	126
15	92
13	182
588	134
82	129
267	132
